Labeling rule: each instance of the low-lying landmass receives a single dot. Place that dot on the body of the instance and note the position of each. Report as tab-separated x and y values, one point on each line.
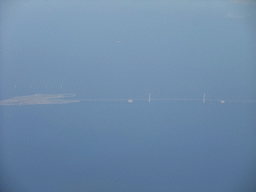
39	99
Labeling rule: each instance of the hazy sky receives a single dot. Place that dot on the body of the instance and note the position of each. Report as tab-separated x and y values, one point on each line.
119	49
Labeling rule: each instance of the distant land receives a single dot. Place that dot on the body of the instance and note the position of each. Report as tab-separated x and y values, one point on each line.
39	99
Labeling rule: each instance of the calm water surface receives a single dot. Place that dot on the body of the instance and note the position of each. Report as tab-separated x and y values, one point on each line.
120	146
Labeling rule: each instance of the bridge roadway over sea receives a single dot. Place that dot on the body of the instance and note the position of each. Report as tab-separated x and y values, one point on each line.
170	99
149	99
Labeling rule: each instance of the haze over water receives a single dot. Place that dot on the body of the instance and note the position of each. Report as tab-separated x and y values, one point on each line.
126	50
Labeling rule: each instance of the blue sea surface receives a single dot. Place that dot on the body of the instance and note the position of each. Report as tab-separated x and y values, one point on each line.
121	146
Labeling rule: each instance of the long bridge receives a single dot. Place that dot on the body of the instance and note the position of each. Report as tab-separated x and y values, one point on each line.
39	99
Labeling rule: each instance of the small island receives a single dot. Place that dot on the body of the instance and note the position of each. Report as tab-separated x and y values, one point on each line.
39	99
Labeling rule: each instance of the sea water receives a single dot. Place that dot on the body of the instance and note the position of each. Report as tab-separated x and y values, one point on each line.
121	146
